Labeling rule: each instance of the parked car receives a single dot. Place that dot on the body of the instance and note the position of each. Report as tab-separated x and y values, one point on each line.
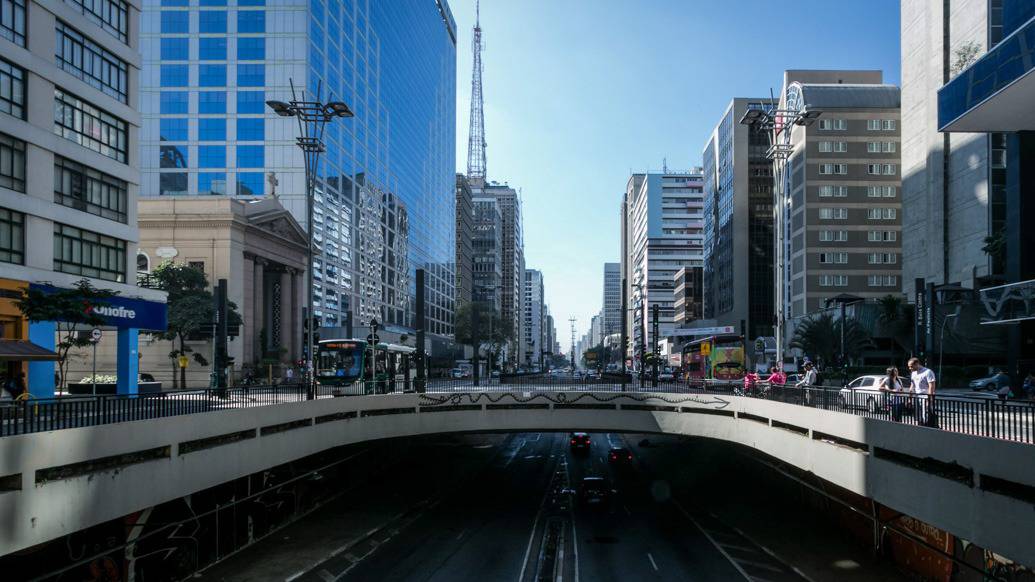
456	373
863	393
989	383
494	374
666	374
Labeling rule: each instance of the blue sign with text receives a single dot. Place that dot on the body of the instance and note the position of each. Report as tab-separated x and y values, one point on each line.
126	312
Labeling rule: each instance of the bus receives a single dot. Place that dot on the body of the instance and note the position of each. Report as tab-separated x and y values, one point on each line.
352	366
724	359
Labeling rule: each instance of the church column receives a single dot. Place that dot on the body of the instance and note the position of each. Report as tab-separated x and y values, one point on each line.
259	306
288	321
247	311
300	302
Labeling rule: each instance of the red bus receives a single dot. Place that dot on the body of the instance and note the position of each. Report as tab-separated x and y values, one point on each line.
717	357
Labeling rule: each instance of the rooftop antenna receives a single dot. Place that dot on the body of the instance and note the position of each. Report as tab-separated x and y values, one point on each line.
664	165
476	138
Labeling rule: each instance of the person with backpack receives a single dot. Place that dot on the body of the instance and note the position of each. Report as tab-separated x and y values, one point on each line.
807	383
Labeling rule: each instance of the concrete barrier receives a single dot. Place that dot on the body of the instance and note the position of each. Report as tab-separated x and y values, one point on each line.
55	483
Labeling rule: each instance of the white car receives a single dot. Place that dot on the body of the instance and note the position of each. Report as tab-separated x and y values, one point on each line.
863	393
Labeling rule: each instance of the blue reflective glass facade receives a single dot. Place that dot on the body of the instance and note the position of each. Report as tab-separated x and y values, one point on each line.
385	195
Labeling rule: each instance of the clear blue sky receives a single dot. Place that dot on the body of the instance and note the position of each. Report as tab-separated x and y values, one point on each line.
580	92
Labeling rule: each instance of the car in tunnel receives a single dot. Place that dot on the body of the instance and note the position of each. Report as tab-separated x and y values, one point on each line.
580	442
620	457
596	493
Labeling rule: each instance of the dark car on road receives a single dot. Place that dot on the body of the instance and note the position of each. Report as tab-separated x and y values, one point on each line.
620	457
595	492
579	442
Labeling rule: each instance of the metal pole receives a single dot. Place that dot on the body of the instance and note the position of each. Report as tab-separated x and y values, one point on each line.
93	376
308	356
421	359
476	373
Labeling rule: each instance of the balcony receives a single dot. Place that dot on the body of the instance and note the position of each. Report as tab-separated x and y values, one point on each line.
996	92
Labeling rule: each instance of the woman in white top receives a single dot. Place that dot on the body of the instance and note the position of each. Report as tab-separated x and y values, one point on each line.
891	383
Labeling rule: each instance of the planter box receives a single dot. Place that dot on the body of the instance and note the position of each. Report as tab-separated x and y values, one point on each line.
80	389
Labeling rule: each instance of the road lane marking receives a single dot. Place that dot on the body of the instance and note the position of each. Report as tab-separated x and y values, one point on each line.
710	539
535	524
327	576
653	564
574	544
461	534
627	512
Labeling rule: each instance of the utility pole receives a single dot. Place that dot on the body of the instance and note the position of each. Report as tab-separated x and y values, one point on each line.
572	320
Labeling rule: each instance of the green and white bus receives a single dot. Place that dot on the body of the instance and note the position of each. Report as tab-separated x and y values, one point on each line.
352	366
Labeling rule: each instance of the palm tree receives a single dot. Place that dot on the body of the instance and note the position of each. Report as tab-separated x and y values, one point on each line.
819	337
893	317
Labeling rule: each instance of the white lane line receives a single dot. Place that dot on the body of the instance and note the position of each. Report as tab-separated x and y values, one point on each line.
575	547
710	539
535	524
627	512
653	564
295	576
461	534
326	575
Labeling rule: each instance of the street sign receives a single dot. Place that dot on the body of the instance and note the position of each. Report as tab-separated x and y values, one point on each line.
373	338
728	329
182	360
95	334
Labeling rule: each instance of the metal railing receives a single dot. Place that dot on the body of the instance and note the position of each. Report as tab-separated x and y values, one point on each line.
987	417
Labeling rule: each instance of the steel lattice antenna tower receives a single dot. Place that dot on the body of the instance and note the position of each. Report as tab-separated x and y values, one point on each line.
476	139
572	322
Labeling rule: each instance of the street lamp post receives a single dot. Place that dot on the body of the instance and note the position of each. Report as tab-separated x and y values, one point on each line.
312	117
941	342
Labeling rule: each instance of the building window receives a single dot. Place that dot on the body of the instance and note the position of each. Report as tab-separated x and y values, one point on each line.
12	163
838	147
251	102
251	49
212	75
251	76
212	21
143	263
881	169
175	49
882	280
91	127
833	236
111	15
173	102
172	156
86	189
250	156
882	236
833	191
172	129
833	213
251	21
881	191
212	184
172	184
212	48
833	124
175	22
833	280
86	253
91	63
12	90
12	21
881	213
828	169
251	129
250	184
174	75
880	124
833	258
211	156
881	147
882	258
212	102
12	236
212	129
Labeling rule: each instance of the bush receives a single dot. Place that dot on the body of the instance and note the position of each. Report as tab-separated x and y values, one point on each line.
101	379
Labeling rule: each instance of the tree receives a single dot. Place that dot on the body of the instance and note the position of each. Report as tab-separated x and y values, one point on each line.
71	310
191	310
895	321
820	338
964	56
493	332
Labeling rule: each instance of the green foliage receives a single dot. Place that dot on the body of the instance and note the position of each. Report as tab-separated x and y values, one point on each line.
71	310
820	338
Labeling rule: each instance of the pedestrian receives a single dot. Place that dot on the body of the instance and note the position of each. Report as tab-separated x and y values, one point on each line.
289	375
776	377
808	380
1029	385
923	384
891	383
1002	384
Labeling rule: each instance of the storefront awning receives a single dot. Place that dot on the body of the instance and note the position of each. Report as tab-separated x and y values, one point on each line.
24	351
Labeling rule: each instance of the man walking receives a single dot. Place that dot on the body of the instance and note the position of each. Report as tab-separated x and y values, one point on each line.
923	385
808	380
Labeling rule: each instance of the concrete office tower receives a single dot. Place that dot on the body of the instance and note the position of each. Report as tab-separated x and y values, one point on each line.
663	225
386	183
688	293
595	331
549	342
612	301
533	319
841	215
953	184
512	259
69	163
464	262
487	252
738	225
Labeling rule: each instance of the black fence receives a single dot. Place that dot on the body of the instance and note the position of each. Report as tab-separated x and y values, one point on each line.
988	417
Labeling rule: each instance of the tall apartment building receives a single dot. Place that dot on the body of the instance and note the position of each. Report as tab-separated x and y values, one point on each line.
841	215
512	259
663	224
533	319
550	341
69	181
979	171
487	252
611	312
386	184
464	261
738	225
689	295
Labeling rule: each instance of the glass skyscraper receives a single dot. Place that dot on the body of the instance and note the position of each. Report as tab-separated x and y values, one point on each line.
385	194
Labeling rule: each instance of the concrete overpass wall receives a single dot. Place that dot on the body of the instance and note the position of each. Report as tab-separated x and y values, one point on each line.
55	483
